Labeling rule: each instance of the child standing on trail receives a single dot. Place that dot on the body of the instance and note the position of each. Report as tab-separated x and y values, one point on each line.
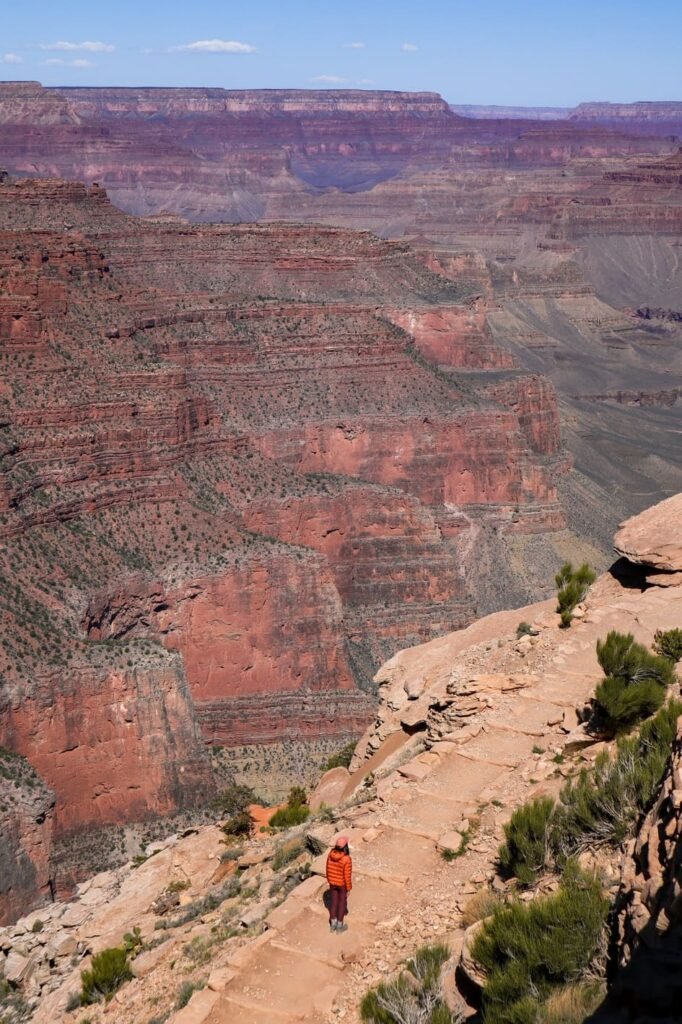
339	877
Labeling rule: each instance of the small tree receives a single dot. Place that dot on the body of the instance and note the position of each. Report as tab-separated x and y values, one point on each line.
669	644
635	682
573	586
233	804
295	812
524	853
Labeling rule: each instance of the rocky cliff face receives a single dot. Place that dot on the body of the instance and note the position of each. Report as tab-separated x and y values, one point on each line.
26	810
240	466
561	227
649	908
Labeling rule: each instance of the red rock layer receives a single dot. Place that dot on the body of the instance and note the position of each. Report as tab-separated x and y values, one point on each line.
232	478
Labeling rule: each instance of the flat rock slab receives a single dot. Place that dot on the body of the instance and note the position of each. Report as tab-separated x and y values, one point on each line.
531	715
431	816
198	1008
278	980
461	778
415	770
500	746
399	853
310	935
227	1011
281	918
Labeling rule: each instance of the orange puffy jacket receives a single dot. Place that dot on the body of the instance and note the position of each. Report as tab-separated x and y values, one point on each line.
340	869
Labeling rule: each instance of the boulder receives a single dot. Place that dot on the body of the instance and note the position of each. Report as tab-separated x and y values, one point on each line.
330	789
62	944
654	537
468	966
17	968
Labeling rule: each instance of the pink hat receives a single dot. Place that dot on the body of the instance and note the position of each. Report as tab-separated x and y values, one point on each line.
341	842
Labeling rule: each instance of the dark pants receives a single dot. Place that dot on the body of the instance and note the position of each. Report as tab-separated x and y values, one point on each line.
339	902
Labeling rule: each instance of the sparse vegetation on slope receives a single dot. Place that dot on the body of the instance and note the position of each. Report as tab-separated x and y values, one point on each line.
598	808
108	971
414	996
635	683
573	586
530	950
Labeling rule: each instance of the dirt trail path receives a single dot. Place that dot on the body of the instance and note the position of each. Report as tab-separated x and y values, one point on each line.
404	892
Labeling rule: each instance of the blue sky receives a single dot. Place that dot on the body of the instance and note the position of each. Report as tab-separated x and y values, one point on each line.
472	51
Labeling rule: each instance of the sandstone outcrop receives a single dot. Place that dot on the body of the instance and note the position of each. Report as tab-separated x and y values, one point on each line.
649	908
654	539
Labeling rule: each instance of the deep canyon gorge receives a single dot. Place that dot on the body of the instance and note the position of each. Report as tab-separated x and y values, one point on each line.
290	381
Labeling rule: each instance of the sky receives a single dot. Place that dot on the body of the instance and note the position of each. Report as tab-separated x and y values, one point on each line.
515	52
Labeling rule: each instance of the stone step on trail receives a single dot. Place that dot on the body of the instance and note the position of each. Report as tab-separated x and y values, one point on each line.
433	816
227	1011
398	854
309	934
461	778
283	982
499	747
531	715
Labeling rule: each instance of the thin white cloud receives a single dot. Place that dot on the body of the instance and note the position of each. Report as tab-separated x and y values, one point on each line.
354	46
365	81
214	46
328	79
12	58
80	62
89	46
409	47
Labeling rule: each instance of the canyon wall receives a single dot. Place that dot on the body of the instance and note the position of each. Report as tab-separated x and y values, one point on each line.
240	465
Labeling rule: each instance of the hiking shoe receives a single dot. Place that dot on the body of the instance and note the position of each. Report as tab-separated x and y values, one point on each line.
342	927
333	925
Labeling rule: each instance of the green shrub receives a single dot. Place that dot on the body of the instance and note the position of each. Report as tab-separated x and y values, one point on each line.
529	949
133	943
573	586
287	852
635	682
525	850
669	644
525	629
619	706
295	812
601	806
233	800
342	759
621	657
108	971
238	825
187	990
286	817
414	996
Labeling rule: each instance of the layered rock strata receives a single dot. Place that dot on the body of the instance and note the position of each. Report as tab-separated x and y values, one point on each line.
240	466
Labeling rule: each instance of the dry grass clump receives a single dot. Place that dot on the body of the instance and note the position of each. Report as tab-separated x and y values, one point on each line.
481	905
573	1003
